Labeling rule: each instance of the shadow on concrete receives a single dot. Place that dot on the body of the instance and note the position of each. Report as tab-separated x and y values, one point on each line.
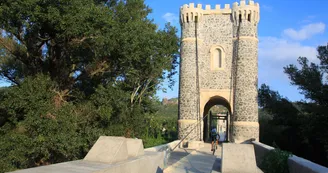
159	170
200	163
249	141
217	165
204	152
177	155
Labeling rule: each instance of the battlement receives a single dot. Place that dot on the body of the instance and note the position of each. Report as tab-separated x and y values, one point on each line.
192	13
243	3
243	11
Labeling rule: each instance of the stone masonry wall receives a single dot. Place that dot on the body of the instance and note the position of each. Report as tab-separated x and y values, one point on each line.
188	93
216	31
188	88
246	106
246	82
245	96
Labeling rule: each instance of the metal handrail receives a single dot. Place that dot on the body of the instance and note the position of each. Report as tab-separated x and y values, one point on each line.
169	150
195	125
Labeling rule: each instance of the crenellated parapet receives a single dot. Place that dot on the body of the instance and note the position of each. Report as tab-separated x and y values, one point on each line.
191	13
243	11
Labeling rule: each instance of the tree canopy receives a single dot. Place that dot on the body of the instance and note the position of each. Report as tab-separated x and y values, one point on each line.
299	126
84	43
79	69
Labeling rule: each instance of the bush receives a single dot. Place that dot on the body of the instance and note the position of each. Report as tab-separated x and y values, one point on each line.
151	142
276	161
42	129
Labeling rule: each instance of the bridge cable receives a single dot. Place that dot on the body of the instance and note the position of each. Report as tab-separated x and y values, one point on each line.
197	76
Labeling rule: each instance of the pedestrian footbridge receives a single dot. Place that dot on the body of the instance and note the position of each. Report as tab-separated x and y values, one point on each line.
122	155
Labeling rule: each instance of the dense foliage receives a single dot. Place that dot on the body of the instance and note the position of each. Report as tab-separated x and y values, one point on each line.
80	69
299	127
275	161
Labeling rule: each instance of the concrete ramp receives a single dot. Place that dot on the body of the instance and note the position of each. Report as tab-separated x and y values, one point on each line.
195	161
108	149
238	158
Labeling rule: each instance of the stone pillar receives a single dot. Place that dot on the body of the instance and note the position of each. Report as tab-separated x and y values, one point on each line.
188	91
245	119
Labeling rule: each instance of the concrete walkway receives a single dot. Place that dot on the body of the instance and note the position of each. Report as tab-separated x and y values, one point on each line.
195	161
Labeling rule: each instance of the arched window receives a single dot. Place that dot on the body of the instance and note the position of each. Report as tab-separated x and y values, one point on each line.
217	58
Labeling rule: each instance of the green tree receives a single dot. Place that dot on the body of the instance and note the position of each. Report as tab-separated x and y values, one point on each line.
283	121
85	43
310	79
298	127
80	69
38	130
58	38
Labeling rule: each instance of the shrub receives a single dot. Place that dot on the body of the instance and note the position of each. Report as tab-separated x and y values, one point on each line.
275	161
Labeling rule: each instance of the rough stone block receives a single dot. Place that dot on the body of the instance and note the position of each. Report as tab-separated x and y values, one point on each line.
108	150
238	158
135	147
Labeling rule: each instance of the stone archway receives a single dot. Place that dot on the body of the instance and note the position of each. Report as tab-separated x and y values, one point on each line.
206	124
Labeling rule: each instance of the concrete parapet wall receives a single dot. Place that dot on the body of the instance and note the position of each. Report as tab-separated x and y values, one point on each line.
112	155
300	165
163	147
238	158
260	151
151	162
108	149
135	147
296	164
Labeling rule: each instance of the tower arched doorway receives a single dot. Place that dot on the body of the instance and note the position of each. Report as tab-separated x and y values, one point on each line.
217	113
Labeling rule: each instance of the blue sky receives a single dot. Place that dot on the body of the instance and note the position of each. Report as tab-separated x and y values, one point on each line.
287	29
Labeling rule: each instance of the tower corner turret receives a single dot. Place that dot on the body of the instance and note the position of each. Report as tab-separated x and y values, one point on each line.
246	11
190	13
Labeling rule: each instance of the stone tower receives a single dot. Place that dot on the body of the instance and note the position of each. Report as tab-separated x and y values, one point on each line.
219	54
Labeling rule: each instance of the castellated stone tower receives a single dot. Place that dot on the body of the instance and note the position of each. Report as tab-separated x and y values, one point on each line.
219	54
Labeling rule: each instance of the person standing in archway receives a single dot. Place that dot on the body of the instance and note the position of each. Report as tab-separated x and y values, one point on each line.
215	137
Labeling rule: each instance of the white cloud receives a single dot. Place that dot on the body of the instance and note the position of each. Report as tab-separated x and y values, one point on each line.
275	53
171	17
305	32
278	49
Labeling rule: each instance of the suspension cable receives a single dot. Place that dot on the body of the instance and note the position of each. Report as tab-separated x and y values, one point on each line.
197	76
